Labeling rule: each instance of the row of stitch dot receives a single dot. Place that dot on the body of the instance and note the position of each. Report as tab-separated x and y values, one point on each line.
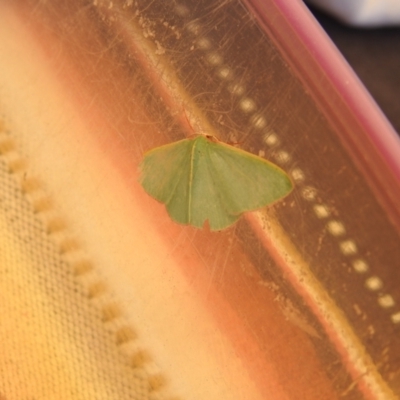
246	104
349	248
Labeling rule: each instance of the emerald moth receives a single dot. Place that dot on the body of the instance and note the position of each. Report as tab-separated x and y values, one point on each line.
201	179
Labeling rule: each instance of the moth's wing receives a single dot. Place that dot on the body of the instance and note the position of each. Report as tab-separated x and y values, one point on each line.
213	181
165	176
207	200
245	182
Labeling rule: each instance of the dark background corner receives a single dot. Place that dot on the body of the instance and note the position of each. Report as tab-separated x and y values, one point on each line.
374	54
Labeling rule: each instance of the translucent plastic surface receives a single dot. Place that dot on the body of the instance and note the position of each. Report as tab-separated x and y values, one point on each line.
305	293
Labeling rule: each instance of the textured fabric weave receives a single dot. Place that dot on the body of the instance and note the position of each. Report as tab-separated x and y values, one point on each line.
54	338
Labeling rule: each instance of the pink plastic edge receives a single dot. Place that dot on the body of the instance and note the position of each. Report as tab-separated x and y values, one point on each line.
378	129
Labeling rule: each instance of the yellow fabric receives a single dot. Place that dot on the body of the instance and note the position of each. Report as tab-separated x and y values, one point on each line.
57	336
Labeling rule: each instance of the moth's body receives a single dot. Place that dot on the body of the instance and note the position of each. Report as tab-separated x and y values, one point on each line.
201	179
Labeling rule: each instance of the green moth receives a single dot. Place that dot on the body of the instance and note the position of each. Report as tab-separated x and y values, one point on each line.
201	179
